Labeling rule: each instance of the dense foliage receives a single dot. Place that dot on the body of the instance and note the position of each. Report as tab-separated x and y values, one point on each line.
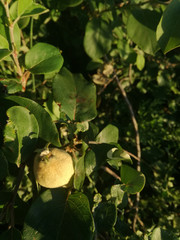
99	79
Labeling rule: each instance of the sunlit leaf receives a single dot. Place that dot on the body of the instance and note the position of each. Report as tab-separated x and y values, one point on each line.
47	129
27	130
134	181
109	134
168	35
141	28
76	96
43	58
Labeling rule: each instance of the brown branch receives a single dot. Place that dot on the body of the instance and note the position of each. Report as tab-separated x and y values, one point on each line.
138	147
132	155
104	87
11	33
109	171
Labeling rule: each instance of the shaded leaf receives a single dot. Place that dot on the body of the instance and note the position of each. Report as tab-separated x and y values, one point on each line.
89	162
10	147
26	128
43	58
76	96
168	35
12	233
68	3
65	213
47	129
101	151
79	174
97	39
50	205
12	85
105	217
52	108
78	216
4	165
116	156
134	181
141	28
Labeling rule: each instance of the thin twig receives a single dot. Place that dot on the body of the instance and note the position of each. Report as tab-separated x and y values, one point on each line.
11	33
131	154
104	87
138	147
109	171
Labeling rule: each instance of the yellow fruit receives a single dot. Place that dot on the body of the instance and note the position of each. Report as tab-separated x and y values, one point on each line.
53	168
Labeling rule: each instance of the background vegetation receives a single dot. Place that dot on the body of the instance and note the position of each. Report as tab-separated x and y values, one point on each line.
101	79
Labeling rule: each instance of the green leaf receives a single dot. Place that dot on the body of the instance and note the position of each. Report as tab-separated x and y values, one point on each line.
89	162
4	166
27	8
43	58
161	234
47	129
117	194
10	147
141	28
134	181
76	96
27	130
17	36
23	5
49	206
4	40
68	3
100	151
79	174
168	35
116	156
78	216
105	217
97	39
109	134
4	44
54	215
4	53
34	9
140	62
12	85
12	233
52	108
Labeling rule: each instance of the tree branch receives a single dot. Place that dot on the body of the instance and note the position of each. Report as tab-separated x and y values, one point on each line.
11	33
109	171
138	147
